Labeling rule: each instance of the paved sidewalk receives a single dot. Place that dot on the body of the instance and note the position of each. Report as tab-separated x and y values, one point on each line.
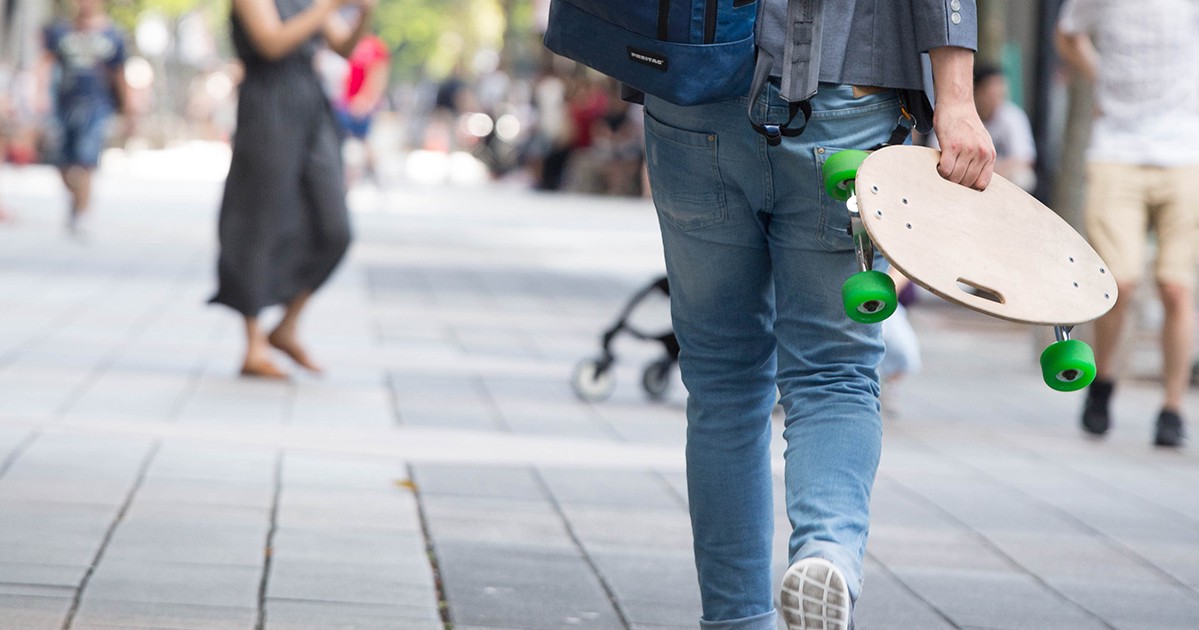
443	472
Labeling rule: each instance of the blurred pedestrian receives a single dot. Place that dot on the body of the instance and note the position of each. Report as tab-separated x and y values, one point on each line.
284	225
586	103
902	357
1015	149
362	94
1142	165
83	65
756	254
549	146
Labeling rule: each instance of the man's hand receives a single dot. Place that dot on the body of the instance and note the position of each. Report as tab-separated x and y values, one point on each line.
967	152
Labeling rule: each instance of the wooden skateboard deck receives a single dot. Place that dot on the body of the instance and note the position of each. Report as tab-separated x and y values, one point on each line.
997	251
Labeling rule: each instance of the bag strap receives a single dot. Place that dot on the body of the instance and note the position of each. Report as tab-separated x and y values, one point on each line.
801	69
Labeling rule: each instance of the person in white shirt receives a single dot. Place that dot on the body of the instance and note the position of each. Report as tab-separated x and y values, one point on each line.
1142	164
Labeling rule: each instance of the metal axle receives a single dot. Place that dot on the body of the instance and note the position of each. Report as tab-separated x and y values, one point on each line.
863	248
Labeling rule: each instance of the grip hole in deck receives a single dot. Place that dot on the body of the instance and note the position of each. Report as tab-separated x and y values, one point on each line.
978	290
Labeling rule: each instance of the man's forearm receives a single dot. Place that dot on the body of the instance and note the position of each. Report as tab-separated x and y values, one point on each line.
953	76
967	153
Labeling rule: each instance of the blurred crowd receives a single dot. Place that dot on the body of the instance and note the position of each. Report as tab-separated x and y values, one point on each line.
565	128
562	128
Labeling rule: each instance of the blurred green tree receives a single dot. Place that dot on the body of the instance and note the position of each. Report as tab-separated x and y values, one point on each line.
428	37
126	12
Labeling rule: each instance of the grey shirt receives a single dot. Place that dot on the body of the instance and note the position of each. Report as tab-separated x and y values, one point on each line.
876	42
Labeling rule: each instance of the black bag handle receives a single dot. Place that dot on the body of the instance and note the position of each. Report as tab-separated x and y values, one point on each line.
801	70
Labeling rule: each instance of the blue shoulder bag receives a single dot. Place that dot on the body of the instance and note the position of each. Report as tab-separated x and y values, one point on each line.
691	52
685	51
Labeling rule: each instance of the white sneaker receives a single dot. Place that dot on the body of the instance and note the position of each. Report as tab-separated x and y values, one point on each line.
815	596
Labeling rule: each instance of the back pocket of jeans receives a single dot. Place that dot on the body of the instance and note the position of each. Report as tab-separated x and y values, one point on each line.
834	216
684	175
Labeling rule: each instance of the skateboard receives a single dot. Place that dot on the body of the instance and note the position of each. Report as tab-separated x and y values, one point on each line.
998	251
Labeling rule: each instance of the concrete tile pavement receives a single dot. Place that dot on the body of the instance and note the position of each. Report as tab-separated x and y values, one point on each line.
442	471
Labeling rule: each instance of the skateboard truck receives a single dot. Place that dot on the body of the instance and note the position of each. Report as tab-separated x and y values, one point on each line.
869	296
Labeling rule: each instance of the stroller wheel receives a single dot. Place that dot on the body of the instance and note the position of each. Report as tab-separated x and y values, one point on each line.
593	380
656	378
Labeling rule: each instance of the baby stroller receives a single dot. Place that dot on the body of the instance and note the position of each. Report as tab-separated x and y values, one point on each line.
593	379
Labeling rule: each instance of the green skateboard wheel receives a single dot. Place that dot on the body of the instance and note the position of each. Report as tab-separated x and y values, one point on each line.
1068	365
869	297
839	170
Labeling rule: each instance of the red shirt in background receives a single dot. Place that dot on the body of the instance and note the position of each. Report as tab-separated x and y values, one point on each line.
370	52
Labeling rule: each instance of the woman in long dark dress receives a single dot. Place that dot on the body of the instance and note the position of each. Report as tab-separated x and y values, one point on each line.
284	225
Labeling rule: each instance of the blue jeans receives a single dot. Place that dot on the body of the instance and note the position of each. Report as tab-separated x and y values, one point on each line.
756	253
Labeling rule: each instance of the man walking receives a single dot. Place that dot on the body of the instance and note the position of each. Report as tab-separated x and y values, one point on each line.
1142	165
756	254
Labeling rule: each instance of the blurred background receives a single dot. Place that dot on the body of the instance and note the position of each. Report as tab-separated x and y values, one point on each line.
472	95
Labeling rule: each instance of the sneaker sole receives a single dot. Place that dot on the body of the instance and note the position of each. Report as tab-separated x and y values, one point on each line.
815	596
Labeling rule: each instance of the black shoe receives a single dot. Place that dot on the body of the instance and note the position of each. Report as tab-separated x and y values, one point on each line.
1169	429
1095	418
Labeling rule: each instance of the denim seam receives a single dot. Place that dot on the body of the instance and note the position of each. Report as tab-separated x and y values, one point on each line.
855	111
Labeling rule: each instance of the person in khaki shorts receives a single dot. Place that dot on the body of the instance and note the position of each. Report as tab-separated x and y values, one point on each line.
1142	176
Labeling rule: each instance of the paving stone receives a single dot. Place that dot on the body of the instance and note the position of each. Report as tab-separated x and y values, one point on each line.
336	405
305	471
37	590
1128	604
300	615
42	520
189	540
132	394
392	509
207	492
654	587
1181	561
1056	555
660	529
96	613
393	584
42	574
353	545
478	481
34	613
916	548
496	521
102	493
231	464
886	603
990	599
176	583
490	585
615	488
69	552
